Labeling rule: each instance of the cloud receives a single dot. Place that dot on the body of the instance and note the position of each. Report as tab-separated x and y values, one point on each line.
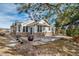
8	8
8	14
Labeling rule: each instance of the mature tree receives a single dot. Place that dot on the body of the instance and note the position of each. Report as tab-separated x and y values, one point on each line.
70	14
39	11
59	13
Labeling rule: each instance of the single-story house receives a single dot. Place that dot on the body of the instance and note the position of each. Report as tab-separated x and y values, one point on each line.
38	28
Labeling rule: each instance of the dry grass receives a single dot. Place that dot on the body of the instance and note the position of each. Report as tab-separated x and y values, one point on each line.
4	50
62	47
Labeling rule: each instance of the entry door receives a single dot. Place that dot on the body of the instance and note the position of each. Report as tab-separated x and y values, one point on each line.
31	30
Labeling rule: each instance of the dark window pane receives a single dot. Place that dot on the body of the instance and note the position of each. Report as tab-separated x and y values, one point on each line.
23	28
38	28
18	28
26	28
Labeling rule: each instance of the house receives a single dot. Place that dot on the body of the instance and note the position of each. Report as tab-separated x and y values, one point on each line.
38	28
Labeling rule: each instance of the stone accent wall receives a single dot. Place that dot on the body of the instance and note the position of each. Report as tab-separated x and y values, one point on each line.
24	34
42	34
49	34
38	34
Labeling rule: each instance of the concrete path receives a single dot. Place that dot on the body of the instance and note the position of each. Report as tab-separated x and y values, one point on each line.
44	40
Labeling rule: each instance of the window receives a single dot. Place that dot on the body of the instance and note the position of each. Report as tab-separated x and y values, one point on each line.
26	28
23	28
49	28
30	30
18	28
39	28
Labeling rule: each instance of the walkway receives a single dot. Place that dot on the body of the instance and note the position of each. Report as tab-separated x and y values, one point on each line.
44	40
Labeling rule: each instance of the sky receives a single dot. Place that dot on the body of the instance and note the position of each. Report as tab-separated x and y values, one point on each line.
8	15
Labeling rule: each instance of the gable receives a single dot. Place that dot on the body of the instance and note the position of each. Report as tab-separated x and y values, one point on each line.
28	22
43	22
32	22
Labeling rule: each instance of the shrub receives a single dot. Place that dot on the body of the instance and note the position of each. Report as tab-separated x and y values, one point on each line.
72	32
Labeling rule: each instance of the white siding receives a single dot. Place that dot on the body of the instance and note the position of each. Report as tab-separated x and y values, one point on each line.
47	29
28	29
44	29
35	28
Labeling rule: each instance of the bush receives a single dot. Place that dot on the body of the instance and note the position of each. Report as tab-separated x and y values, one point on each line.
68	32
72	32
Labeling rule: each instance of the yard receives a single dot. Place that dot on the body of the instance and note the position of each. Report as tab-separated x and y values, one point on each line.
4	49
61	47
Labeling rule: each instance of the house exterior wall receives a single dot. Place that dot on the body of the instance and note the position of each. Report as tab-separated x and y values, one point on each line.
35	29
46	30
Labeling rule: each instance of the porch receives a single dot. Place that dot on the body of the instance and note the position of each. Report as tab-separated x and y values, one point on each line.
36	30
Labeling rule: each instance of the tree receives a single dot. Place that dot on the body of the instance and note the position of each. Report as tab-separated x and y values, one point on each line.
65	13
70	14
39	11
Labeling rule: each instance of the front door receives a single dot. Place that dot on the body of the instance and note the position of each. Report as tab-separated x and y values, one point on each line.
31	31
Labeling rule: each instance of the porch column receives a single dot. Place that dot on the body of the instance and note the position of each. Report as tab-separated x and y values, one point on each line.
28	29
42	28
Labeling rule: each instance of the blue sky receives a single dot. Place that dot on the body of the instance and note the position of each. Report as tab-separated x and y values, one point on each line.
8	14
